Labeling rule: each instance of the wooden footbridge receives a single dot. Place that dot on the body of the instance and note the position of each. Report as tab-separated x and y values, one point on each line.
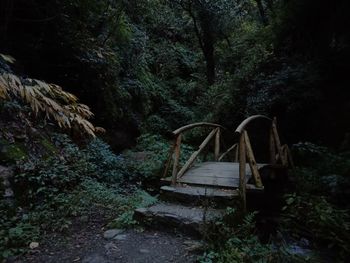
231	175
235	178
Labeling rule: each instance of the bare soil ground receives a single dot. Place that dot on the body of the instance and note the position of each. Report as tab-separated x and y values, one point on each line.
86	244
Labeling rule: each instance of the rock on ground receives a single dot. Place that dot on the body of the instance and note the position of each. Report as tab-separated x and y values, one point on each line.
111	233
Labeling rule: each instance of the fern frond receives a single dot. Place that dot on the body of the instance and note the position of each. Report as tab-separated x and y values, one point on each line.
8	58
50	99
3	88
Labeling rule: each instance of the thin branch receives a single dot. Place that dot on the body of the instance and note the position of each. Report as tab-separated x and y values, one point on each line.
196	27
36	20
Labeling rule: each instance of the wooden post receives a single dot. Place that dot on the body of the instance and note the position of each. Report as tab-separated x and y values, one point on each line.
252	162
288	156
176	158
272	148
236	154
171	150
277	141
217	145
242	172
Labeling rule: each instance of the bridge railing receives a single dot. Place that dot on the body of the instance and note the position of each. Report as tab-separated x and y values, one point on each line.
175	150
279	155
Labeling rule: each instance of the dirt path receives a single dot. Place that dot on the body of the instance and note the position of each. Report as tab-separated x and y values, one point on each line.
87	245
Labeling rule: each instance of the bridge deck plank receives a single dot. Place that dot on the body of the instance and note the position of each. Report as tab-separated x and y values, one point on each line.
217	174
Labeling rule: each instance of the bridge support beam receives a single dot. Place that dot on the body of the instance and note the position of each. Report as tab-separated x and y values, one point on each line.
242	172
217	145
176	158
252	162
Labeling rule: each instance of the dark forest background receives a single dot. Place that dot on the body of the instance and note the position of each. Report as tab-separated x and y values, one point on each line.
156	65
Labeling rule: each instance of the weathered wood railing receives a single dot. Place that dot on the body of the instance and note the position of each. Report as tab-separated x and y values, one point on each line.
175	150
232	148
245	153
279	155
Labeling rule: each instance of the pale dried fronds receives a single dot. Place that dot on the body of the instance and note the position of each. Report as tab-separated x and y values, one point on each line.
50	99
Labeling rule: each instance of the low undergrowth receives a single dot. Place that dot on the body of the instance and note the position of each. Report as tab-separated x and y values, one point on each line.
51	193
156	149
315	210
321	222
234	239
22	225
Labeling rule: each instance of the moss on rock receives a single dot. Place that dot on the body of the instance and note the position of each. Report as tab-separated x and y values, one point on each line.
48	146
12	152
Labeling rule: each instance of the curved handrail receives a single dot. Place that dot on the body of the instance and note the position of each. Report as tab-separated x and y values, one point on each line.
244	123
197	124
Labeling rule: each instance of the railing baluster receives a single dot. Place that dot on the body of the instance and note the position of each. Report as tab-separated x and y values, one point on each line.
272	146
242	172
251	160
170	155
217	145
235	146
290	158
236	154
272	150
176	158
196	153
277	141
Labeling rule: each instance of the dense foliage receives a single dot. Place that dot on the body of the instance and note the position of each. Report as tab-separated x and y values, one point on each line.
159	64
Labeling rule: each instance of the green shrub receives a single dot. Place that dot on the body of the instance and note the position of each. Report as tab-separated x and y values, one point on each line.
136	200
249	249
322	171
315	218
233	239
40	179
107	166
321	158
16	231
156	125
156	149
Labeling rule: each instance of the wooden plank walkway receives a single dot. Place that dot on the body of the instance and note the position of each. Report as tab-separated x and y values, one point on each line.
215	174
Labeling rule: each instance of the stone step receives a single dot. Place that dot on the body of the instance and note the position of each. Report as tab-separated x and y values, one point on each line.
197	195
188	220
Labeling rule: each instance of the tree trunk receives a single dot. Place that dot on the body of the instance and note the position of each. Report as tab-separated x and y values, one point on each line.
208	46
269	4
208	50
204	33
262	12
